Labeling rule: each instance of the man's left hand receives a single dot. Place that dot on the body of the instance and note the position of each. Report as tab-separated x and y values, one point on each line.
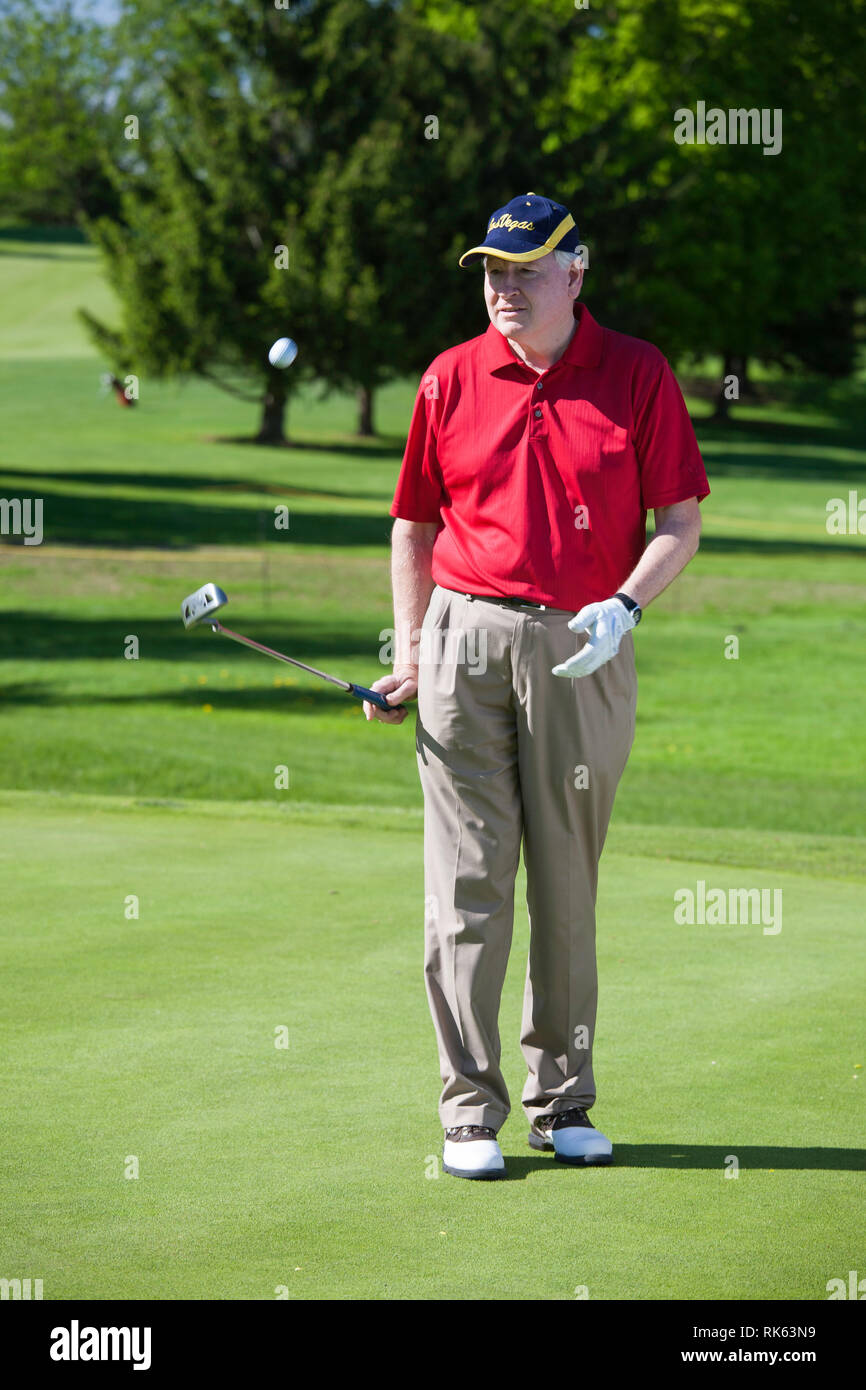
606	624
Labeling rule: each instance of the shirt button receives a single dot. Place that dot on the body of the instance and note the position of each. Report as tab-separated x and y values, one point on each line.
539	386
538	414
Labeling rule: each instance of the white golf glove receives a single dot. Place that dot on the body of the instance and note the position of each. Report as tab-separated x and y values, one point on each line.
606	624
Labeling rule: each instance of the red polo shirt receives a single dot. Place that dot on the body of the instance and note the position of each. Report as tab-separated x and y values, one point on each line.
541	482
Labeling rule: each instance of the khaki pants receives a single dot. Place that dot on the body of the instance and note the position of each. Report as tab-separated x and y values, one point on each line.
506	751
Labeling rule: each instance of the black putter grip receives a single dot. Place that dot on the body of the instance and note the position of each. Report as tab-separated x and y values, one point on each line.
375	697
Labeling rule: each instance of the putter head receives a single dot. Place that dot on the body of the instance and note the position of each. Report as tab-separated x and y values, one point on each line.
202	604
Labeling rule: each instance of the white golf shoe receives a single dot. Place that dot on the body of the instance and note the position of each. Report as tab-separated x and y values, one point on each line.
570	1133
472	1151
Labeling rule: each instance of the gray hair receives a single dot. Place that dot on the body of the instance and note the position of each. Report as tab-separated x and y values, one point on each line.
567	259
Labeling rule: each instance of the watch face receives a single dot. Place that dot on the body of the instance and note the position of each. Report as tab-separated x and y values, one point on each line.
637	614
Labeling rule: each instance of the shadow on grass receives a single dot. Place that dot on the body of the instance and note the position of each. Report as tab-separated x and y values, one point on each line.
809	440
388	446
833	474
120	521
319	698
786	467
55	637
707	1156
768	546
61	234
45	236
171	482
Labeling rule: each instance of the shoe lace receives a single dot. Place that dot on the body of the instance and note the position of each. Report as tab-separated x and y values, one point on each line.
547	1121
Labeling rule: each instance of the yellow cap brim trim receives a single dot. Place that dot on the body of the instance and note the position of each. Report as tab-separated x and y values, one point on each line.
550	245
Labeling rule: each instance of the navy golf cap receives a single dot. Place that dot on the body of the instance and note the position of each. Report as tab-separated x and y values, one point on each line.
525	229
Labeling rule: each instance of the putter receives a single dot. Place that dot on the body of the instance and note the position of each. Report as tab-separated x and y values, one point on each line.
201	606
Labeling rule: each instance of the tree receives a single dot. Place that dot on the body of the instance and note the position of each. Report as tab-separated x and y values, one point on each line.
205	253
721	248
308	129
399	201
55	113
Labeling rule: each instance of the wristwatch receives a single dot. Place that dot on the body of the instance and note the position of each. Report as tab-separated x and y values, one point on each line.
633	608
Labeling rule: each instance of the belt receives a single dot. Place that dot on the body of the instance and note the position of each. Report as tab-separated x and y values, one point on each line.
511	600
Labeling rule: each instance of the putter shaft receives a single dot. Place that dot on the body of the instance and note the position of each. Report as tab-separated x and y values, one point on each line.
278	656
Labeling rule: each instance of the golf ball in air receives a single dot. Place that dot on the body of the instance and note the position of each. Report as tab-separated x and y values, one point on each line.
283	352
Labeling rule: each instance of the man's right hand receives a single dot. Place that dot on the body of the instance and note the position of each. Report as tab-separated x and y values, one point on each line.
402	685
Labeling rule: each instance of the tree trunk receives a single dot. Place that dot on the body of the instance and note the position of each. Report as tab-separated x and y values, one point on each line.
273	411
365	412
735	365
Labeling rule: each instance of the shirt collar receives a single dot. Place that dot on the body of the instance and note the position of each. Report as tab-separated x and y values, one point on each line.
584	350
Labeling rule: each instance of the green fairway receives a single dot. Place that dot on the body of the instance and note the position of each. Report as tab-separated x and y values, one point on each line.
158	774
314	1166
43	282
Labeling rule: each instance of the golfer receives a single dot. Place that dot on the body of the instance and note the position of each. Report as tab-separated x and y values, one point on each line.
520	568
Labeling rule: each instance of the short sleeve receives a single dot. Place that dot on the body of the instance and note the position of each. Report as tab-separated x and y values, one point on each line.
671	467
419	492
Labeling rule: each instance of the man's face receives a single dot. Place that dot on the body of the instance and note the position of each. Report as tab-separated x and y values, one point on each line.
530	299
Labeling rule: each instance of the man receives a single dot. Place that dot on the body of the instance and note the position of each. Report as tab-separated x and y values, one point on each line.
534	453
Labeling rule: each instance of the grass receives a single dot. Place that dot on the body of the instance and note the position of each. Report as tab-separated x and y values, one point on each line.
43	282
153	1037
163	1052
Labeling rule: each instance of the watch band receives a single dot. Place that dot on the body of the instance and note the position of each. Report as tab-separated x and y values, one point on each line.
631	605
